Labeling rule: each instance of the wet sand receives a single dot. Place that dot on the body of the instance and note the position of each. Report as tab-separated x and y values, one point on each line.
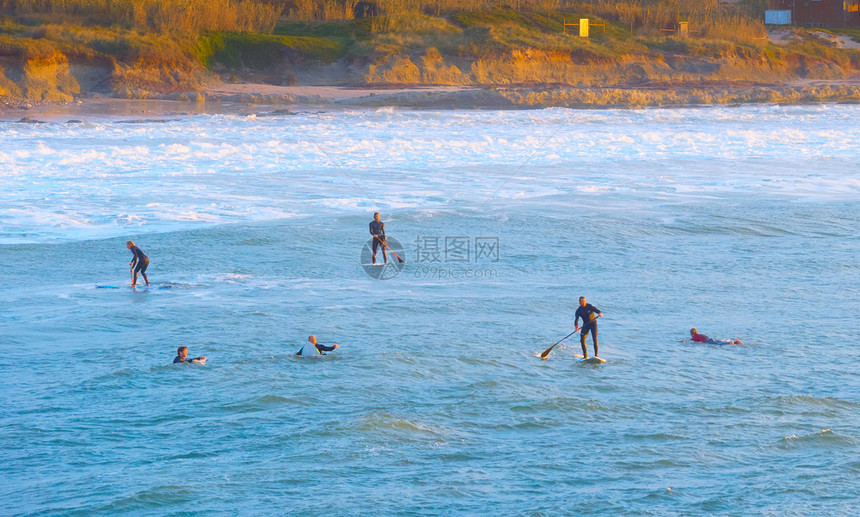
264	98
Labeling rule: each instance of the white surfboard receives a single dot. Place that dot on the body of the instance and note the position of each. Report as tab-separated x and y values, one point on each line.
309	350
593	360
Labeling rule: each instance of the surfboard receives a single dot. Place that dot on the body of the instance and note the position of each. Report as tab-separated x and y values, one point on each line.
593	360
308	350
138	287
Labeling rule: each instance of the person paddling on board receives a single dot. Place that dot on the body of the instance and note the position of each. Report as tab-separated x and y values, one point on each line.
140	262
701	338
586	311
182	356
377	229
312	348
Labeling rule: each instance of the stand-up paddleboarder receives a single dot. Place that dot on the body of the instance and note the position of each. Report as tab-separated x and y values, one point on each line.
377	229
587	312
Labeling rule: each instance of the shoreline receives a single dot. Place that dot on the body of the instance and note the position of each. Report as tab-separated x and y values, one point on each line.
245	98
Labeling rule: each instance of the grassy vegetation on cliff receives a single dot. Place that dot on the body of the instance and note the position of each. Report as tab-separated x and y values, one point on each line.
173	45
174	16
235	50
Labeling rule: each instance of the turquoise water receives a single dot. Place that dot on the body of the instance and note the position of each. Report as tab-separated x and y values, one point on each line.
739	221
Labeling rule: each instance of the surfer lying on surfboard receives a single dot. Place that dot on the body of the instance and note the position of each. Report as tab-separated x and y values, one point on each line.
182	356
312	348
587	312
701	338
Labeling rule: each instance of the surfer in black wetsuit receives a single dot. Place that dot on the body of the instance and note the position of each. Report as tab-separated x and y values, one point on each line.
377	229
586	311
140	262
182	356
313	348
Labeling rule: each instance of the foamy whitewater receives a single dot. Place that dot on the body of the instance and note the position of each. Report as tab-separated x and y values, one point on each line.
740	221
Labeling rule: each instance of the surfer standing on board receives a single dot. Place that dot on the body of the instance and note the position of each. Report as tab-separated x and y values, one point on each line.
701	338
587	312
377	229
140	262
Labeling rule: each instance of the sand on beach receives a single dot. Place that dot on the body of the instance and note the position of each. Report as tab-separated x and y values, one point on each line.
333	93
242	98
249	98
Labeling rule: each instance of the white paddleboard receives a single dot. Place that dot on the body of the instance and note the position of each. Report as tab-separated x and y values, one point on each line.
593	360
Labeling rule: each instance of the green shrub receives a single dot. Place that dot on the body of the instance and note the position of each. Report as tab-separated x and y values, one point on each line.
235	50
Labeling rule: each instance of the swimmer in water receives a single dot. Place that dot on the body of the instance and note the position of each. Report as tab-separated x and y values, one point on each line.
313	348
182	356
701	338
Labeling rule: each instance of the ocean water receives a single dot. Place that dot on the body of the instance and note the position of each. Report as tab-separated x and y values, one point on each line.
741	221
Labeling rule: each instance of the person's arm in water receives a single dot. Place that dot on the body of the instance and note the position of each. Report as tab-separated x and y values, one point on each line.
201	359
323	348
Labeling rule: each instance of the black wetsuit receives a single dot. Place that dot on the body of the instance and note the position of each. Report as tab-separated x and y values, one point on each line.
589	324
178	359
377	229
140	260
323	348
320	348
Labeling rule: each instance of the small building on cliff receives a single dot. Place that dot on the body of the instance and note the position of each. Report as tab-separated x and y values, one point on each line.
820	13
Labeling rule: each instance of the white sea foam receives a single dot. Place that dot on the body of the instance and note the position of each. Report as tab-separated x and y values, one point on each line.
110	177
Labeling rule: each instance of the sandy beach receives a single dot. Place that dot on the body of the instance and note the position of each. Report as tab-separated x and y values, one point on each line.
330	93
249	98
231	98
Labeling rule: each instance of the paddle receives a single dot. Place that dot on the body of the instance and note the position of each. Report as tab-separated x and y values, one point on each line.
547	351
385	244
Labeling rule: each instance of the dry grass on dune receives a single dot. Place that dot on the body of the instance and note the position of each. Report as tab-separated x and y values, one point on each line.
165	16
174	45
709	17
